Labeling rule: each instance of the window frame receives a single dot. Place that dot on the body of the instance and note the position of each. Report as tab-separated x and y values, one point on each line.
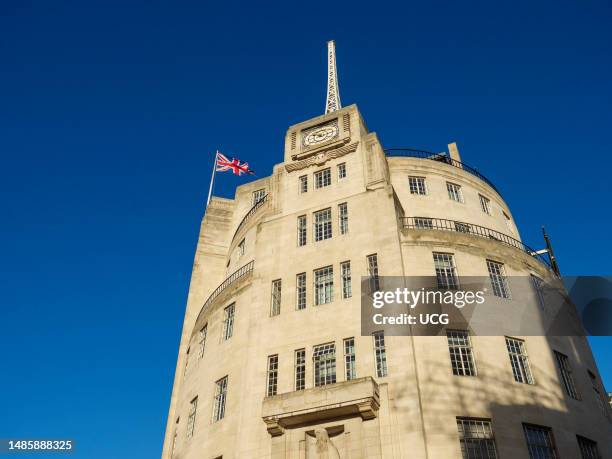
322	178
324	370
519	360
324	285
229	315
350	365
417	185
272	376
455	192
462	359
322	225
220	398
380	353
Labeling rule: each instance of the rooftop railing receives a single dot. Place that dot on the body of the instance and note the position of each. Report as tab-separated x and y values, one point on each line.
440	157
440	224
250	213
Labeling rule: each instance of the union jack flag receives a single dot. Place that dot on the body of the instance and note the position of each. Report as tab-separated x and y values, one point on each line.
238	168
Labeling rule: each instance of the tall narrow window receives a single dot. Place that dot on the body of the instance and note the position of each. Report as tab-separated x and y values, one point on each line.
343	217
300	291
241	248
324	362
324	285
380	353
228	321
193	407
202	340
345	271
519	361
588	448
186	361
497	274
276	298
258	195
301	230
220	399
417	185
601	402
373	279
341	171
303	187
476	438
322	178
508	222
454	192
567	375
272	380
540	442
349	359
485	204
460	349
172	451
322	224
300	369
538	289
446	272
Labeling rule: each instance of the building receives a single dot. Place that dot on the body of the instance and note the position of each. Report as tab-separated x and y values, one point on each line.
272	364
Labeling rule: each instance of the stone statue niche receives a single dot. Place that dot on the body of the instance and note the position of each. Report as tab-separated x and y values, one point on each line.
326	443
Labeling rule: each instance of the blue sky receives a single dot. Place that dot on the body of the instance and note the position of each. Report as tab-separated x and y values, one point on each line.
110	113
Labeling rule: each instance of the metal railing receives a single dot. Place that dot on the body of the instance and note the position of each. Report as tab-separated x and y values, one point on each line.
236	275
250	213
440	157
440	224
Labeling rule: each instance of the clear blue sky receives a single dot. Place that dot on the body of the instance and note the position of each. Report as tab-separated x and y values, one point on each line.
110	112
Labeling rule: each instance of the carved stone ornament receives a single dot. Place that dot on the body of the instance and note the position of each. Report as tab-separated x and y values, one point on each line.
322	157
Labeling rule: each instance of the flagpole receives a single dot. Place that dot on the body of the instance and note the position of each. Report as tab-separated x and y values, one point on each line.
212	180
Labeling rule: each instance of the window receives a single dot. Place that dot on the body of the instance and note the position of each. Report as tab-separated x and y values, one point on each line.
508	222
303	187
324	361
174	438
539	291
343	217
567	376
300	369
461	227
276	298
349	359
324	285
476	438
454	192
241	248
220	399
202	340
272	382
345	272
519	361
540	442
341	171
193	406
373	280
446	272
322	225
258	195
228	321
601	402
301	230
588	448
417	185
497	274
460	349
322	178
423	223
485	204
186	361
380	352
300	291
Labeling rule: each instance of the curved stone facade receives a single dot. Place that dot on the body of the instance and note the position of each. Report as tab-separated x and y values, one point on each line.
245	383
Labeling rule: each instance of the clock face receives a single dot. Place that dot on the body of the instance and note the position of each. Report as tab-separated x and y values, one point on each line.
320	134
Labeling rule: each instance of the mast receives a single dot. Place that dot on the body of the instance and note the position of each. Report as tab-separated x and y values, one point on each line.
332	102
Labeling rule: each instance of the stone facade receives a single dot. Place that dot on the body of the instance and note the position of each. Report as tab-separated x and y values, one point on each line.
412	411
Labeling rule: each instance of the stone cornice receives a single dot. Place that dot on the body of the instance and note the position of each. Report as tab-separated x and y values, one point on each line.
322	157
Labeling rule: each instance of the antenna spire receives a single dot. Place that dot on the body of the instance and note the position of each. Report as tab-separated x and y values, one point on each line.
333	93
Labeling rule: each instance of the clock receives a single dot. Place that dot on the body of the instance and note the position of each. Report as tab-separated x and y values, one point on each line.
320	134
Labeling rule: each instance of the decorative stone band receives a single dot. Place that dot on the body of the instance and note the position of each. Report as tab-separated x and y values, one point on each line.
322	158
358	398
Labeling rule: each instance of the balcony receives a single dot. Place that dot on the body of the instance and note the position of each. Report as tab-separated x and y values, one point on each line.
440	224
252	211
440	157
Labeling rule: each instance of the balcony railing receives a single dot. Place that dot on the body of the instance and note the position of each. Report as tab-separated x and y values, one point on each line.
440	157
235	276
250	213
440	224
